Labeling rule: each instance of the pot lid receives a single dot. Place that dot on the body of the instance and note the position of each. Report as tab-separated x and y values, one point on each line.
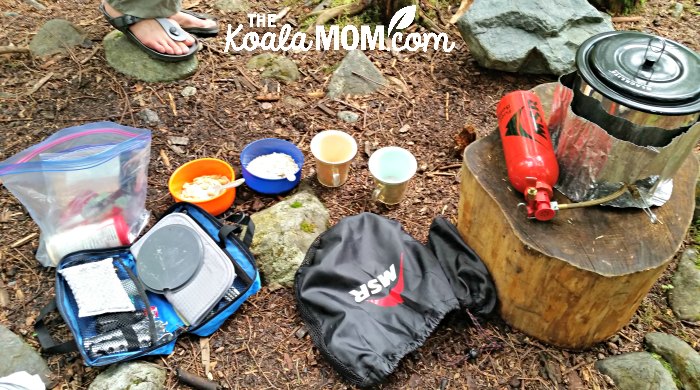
169	258
642	71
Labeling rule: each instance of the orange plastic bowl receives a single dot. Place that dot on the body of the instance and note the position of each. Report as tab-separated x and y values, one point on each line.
202	167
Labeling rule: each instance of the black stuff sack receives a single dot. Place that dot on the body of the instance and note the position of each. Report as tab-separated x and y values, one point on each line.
470	280
370	294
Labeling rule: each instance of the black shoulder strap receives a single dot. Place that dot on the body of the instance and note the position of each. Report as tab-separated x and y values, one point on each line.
48	344
236	223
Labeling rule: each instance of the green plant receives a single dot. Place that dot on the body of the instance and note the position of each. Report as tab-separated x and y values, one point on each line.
307	227
328	69
295	205
668	368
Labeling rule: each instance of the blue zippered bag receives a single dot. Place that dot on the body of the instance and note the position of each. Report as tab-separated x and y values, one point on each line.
159	324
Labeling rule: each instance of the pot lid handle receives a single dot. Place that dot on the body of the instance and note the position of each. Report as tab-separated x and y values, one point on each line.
655	49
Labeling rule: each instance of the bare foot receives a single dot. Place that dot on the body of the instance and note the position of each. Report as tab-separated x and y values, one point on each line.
188	21
151	34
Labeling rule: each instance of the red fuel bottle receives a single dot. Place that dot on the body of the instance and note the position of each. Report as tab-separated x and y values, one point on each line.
527	146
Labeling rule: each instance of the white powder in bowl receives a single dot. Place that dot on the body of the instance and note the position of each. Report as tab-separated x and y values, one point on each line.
273	166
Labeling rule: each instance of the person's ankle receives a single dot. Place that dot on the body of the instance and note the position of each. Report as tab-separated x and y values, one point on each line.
111	10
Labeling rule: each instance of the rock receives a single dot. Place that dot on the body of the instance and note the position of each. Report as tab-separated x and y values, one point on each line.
127	58
344	82
324	4
677	10
635	371
348	116
130	376
686	287
696	214
684	360
188	91
266	106
301	332
231	5
149	117
284	233
294	102
10	14
36	4
182	141
519	36
56	36
275	66
18	356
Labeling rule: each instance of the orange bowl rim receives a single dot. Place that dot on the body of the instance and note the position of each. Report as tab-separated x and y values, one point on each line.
178	170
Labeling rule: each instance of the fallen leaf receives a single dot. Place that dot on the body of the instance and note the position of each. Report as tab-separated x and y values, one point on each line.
204	347
4	297
368	148
586	375
464	138
5	215
575	382
400	84
288	366
316	94
176	149
282	132
257	205
268	97
164	157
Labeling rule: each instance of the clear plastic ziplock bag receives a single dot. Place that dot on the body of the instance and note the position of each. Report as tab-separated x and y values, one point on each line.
85	186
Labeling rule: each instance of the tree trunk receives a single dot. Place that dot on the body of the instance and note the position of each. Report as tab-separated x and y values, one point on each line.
617	7
388	8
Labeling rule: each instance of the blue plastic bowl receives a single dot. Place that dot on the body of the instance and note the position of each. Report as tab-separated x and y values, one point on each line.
267	146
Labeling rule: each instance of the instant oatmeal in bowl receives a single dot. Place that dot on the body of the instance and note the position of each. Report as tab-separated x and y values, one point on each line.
203	188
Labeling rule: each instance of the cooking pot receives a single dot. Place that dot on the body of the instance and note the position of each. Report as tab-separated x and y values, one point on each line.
638	87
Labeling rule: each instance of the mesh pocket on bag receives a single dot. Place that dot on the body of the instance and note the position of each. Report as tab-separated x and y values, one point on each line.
114	333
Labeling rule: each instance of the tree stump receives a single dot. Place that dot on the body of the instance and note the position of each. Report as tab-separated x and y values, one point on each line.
578	279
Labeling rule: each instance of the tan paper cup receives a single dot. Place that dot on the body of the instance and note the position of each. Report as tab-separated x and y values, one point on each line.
392	168
334	151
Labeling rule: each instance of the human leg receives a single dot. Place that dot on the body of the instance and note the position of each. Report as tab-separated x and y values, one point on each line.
149	32
147	9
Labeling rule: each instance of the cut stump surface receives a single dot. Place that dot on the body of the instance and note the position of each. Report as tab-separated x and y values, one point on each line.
579	278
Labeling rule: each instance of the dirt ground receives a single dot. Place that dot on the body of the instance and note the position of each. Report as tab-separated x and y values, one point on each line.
260	346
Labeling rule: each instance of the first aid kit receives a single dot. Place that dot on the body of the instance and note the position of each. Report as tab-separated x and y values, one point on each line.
188	274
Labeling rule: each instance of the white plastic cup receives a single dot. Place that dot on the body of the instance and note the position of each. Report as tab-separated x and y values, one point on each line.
392	168
334	151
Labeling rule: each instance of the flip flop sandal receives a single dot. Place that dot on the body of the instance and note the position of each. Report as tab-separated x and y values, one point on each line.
175	32
201	31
